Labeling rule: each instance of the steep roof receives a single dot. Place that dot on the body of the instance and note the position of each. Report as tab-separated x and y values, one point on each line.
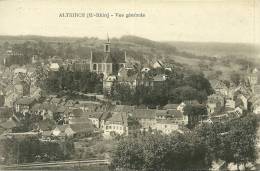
70	103
175	113
106	115
82	128
44	106
112	57
77	112
96	115
61	109
25	101
55	100
124	108
161	113
217	84
80	120
118	118
144	113
171	106
62	128
46	125
10	123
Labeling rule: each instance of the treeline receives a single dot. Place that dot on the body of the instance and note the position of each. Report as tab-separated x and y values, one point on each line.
232	142
178	87
86	81
26	150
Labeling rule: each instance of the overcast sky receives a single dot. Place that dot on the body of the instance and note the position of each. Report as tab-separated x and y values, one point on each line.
171	20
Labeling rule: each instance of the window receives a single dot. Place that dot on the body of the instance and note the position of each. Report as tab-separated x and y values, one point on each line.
99	67
108	68
94	66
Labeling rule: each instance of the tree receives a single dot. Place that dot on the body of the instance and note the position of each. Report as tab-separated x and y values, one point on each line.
194	113
235	78
199	82
233	141
241	141
122	93
157	152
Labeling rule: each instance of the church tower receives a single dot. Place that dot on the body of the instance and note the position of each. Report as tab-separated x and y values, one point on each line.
107	45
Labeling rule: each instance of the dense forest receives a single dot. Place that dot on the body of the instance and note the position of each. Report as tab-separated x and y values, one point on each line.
180	85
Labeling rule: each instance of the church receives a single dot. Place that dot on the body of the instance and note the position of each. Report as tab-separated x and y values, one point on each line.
107	63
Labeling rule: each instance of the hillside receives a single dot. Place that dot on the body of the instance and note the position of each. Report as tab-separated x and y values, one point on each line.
193	55
218	49
139	49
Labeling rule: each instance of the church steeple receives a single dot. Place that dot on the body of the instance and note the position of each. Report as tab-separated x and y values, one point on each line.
107	45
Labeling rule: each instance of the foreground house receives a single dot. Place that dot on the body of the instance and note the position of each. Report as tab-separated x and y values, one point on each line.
166	126
215	103
117	124
146	118
95	118
79	130
24	104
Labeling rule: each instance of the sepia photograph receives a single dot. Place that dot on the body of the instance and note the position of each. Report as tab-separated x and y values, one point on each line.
152	85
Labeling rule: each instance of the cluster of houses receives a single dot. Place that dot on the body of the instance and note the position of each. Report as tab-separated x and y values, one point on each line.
63	117
231	101
114	67
84	118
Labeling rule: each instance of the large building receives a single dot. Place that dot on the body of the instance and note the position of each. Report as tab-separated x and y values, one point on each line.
107	62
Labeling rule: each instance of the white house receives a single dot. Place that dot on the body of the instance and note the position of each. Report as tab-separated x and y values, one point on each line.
116	124
166	126
54	67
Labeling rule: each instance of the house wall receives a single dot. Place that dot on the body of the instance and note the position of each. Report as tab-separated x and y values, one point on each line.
105	68
166	128
117	128
22	108
56	132
257	110
95	122
147	123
